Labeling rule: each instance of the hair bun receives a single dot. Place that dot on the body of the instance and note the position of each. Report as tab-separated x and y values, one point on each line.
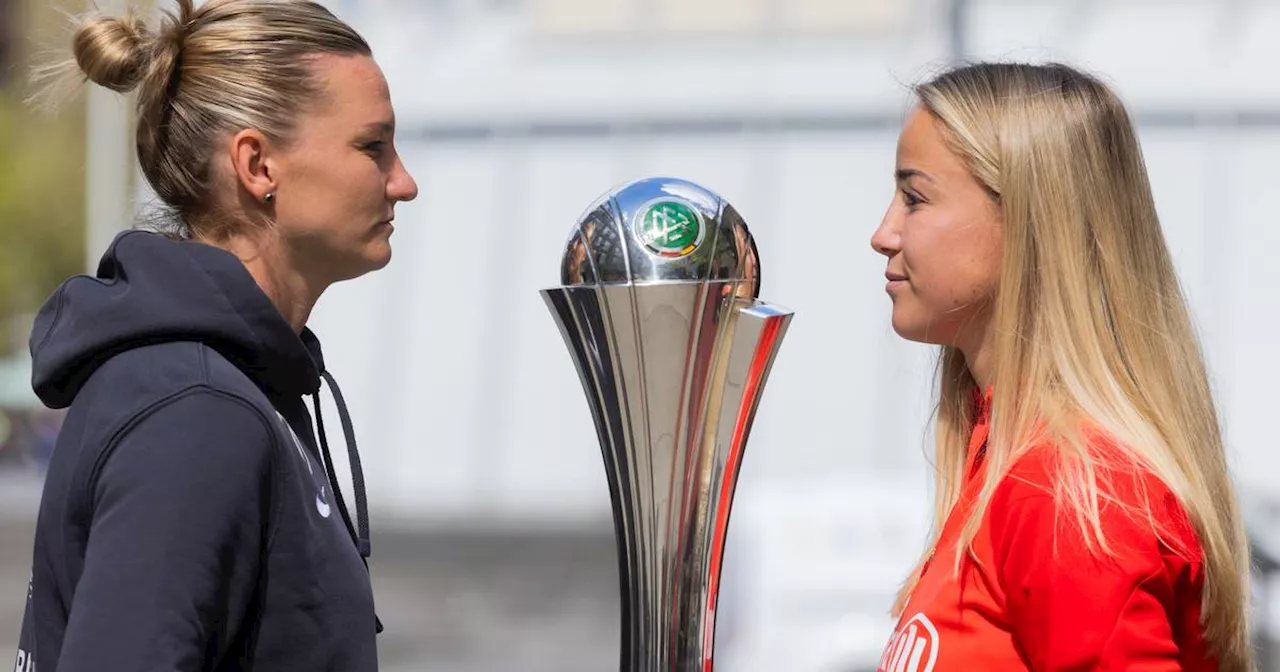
114	52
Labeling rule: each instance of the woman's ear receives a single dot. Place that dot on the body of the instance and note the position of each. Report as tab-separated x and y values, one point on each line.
253	165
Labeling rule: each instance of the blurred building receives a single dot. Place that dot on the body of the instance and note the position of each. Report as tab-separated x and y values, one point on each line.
515	114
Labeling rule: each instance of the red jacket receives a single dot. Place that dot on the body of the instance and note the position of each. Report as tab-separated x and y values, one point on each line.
1021	607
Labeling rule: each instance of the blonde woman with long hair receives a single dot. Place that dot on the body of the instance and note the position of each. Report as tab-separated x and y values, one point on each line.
1085	518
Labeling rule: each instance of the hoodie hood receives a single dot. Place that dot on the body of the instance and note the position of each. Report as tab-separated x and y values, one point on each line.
153	289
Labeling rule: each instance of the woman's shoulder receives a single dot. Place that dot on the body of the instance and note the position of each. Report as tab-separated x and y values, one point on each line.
1097	487
1093	552
166	402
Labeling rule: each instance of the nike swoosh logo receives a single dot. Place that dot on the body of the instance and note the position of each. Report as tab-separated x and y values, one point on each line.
321	505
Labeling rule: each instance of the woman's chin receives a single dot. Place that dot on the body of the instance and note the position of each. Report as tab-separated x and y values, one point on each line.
914	329
380	255
373	257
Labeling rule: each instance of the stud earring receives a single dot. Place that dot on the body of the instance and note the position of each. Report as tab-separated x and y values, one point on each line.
270	197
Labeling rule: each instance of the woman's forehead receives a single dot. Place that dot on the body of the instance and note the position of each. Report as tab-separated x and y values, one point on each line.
923	147
352	84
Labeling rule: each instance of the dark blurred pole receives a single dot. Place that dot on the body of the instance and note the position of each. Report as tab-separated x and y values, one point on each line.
1265	565
8	35
958	29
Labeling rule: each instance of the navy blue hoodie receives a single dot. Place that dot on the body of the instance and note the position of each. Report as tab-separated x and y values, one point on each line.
189	520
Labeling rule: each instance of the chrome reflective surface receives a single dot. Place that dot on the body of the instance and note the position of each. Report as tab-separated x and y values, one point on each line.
673	368
611	243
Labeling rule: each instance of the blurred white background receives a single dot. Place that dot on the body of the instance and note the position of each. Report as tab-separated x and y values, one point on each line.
515	114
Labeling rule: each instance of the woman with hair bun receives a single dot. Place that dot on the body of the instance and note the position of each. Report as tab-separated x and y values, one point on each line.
190	518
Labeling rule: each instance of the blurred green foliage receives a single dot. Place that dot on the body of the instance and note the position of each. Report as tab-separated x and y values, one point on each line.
42	185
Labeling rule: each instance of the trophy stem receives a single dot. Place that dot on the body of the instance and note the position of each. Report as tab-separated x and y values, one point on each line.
673	373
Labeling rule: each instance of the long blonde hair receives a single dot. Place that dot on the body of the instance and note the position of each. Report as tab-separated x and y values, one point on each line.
203	73
1090	324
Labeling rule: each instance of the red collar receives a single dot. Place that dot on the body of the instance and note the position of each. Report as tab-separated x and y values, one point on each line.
981	430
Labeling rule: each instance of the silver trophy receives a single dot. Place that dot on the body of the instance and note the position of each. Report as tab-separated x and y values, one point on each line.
673	348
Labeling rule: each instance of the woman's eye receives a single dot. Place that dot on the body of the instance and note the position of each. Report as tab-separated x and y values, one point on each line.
374	147
910	199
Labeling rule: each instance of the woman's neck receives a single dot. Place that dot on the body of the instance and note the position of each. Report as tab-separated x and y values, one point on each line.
269	263
979	357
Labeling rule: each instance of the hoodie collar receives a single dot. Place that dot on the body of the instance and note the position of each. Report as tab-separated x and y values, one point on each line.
152	289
